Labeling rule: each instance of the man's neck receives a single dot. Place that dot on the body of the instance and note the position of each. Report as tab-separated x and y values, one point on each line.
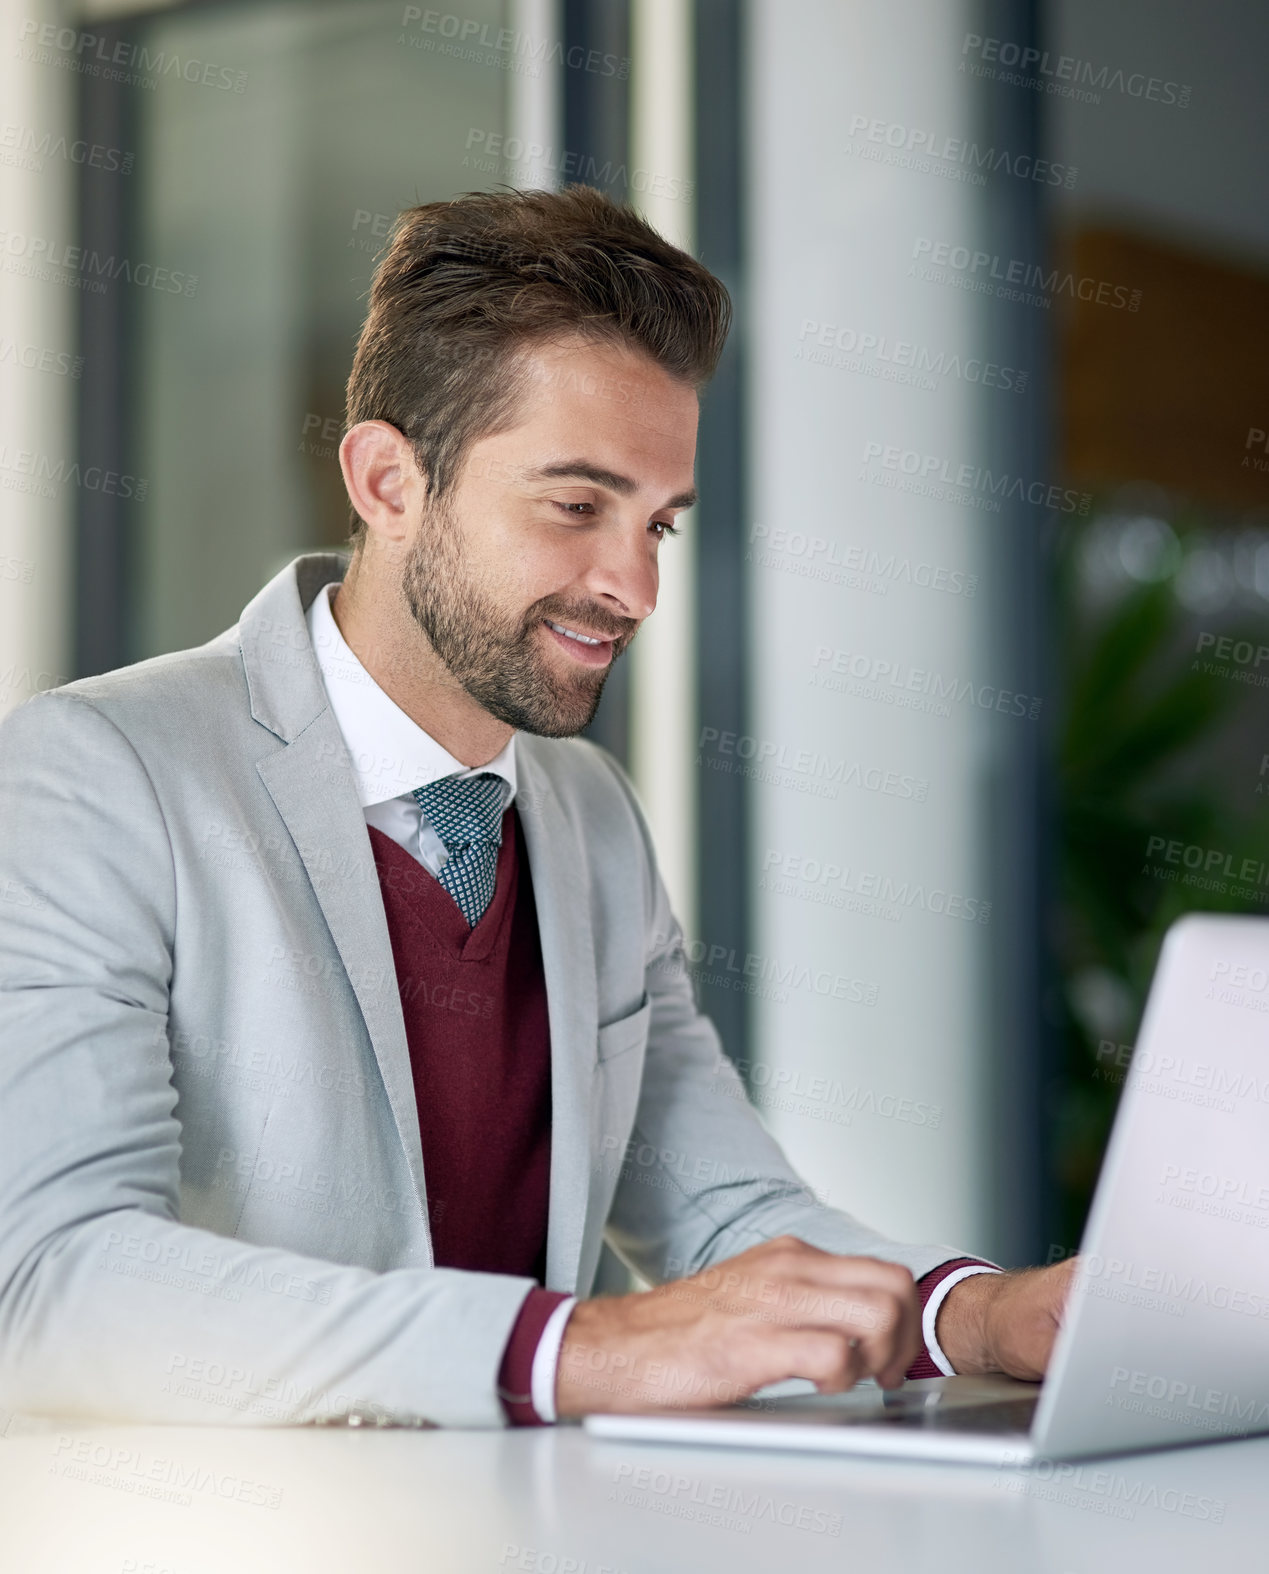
396	654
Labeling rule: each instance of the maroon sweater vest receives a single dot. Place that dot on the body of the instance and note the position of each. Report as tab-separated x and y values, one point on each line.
474	1002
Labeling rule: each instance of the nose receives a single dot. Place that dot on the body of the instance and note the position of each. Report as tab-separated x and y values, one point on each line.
624	576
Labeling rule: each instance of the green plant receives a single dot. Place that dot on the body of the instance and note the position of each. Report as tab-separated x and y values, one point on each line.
1134	762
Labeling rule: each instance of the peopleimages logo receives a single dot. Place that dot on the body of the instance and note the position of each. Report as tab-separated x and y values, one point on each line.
40	358
1067	76
24	470
1172	1076
680	1496
1237	659
131	65
793	870
1099	1491
1012	278
509	152
1220	1188
819	1097
720	965
931	473
1179	1396
33	256
1257	437
806	769
1211	860
893	682
899	360
26	148
925	144
465	35
1168	1285
861	568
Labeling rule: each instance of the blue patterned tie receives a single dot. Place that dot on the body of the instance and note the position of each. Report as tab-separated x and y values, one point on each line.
466	813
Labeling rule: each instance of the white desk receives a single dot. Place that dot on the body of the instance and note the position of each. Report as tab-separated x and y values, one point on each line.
553	1501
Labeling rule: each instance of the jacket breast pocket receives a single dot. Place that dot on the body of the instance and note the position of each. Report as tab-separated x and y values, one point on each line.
626	1033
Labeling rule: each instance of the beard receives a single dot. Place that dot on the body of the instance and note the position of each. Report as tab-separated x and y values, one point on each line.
497	655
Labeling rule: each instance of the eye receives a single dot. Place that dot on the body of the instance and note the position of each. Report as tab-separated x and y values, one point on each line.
569	507
666	529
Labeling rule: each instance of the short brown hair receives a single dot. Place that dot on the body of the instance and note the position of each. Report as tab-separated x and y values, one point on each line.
468	284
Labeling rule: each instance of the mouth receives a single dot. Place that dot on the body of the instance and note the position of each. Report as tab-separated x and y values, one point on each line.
588	649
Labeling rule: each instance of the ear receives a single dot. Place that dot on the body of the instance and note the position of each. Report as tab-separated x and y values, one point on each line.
383	480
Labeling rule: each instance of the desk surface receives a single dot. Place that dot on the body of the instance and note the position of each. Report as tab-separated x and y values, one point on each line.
167	1500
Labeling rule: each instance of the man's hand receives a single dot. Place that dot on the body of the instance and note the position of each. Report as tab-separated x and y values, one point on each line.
782	1309
1004	1322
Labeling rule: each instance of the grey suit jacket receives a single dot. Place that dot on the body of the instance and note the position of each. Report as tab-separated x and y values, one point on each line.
212	1201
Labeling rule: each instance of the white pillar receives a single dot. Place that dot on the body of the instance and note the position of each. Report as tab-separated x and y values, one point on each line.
534	103
663	666
870	1024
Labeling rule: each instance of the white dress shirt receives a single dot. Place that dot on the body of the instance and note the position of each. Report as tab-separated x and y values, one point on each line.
391	756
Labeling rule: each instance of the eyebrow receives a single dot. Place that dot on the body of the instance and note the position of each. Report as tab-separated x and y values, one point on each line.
623	485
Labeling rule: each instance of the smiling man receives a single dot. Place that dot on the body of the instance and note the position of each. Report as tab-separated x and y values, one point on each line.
343	1014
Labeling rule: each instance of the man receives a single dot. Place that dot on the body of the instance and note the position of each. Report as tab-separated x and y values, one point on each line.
341	996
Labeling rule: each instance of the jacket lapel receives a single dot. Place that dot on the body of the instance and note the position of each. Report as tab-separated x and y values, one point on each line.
557	866
311	784
324	817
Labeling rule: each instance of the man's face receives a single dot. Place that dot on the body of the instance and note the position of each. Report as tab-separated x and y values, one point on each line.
555	525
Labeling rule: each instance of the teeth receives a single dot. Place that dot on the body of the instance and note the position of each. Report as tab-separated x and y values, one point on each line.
583	639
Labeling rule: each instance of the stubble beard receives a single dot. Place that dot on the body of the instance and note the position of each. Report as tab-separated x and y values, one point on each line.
498	658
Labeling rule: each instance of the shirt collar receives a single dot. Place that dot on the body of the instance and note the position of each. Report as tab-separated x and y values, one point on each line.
391	755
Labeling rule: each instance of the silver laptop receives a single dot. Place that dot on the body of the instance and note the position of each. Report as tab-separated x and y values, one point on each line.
1166	1335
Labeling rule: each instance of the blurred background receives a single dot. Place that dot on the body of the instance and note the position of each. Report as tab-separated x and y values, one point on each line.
955	696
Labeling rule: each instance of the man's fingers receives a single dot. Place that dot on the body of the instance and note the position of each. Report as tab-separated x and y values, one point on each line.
788	1257
881	1327
787	1282
863	1310
831	1360
888	1327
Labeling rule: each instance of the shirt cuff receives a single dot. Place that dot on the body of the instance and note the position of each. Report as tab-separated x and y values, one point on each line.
516	1385
932	1289
546	1358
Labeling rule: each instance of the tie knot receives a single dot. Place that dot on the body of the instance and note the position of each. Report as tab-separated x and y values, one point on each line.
464	809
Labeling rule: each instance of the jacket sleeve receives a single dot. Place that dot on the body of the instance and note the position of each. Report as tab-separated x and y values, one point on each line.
110	1306
701	1178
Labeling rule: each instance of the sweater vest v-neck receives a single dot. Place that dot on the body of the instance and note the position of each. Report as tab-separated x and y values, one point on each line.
474	1002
